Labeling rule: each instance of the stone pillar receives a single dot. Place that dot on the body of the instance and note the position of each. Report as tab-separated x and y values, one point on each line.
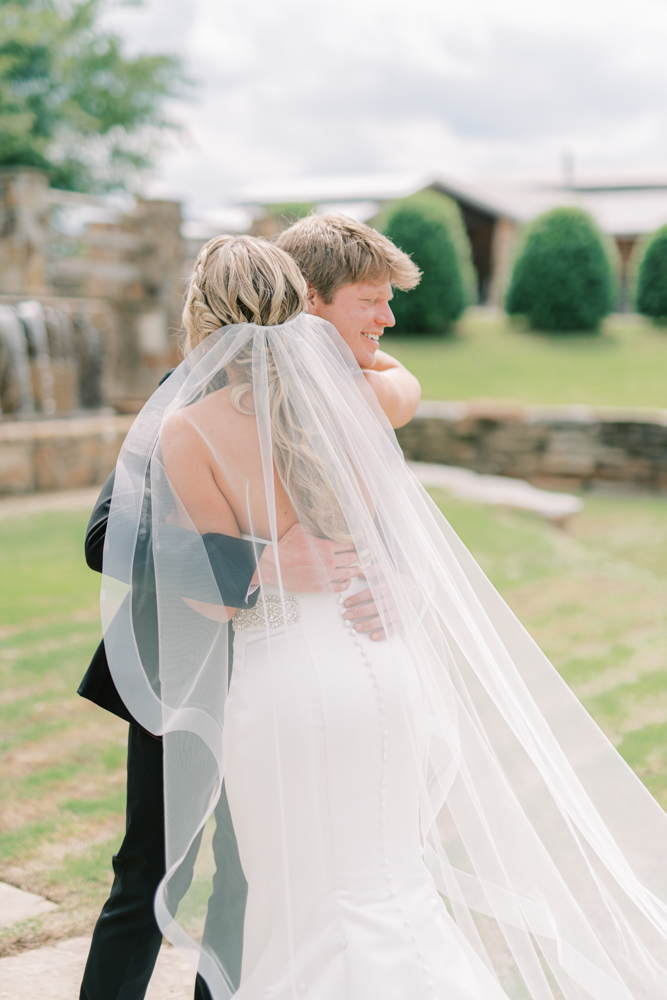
159	322
24	207
134	261
150	306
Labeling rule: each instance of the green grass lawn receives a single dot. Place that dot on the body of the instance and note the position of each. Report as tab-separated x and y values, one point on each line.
62	760
593	597
624	365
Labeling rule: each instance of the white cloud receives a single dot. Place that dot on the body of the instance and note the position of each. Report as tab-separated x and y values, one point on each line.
292	87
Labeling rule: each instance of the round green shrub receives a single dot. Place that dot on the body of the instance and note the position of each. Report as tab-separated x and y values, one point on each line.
429	227
563	276
651	293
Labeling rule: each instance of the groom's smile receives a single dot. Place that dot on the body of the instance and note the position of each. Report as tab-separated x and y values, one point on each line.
360	312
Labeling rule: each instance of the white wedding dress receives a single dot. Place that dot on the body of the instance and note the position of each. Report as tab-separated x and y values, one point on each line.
322	762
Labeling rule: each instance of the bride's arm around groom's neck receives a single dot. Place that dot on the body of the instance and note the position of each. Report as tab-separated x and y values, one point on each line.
398	391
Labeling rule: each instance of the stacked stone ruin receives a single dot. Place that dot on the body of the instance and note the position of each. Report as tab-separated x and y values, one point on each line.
90	299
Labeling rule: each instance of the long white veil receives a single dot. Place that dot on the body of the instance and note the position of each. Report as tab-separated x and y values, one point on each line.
550	854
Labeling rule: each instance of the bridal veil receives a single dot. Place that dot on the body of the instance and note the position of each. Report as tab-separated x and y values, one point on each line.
550	854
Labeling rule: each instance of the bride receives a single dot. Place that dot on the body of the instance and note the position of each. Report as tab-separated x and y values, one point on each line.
433	816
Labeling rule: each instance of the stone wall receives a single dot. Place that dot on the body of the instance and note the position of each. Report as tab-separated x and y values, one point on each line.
568	446
59	454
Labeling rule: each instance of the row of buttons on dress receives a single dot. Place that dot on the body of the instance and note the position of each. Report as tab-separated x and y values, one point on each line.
391	891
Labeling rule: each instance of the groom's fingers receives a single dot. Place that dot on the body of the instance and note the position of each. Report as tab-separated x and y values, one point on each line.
369	610
375	627
363	597
351	563
348	558
346	568
335	556
342	581
364	614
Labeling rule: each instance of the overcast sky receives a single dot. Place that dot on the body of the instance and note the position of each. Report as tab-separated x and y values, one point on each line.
285	88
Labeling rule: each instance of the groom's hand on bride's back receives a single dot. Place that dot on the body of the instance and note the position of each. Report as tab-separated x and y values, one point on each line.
308	565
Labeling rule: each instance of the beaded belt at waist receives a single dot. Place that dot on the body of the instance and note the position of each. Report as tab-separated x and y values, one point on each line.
272	611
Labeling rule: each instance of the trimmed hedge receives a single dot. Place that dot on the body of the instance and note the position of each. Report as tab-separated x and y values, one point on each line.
428	226
563	278
651	293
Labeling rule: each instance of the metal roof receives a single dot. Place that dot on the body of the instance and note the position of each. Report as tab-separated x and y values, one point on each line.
622	207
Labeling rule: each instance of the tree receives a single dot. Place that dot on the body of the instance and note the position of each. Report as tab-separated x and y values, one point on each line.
651	294
71	102
563	277
428	226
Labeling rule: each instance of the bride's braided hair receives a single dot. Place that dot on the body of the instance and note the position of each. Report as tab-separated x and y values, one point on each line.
244	279
241	279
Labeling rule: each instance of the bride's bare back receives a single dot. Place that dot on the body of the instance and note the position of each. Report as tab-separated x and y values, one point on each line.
212	456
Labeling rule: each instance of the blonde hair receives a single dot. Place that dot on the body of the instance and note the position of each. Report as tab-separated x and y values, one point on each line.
240	279
244	279
333	250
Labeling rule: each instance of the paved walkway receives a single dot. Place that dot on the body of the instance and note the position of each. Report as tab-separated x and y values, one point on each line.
55	974
501	490
37	503
460	482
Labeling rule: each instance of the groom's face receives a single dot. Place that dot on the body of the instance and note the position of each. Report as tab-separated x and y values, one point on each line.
360	312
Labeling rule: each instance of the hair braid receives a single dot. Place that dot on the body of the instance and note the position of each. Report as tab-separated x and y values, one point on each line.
198	318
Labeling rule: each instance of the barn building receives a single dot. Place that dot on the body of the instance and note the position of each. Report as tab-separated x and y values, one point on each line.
493	210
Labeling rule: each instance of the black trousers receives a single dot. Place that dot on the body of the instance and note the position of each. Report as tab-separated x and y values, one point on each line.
126	940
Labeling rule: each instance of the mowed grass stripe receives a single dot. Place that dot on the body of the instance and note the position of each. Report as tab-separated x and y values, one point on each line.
595	601
489	358
62	768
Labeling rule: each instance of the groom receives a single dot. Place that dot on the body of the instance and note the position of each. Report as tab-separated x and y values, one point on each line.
350	270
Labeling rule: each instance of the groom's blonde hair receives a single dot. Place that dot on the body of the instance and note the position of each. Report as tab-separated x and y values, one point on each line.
333	250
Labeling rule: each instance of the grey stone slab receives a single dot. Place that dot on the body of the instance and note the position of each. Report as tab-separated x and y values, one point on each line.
55	973
17	905
38	503
467	485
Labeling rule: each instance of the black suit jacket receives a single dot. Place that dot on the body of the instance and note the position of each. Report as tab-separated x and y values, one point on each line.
233	562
